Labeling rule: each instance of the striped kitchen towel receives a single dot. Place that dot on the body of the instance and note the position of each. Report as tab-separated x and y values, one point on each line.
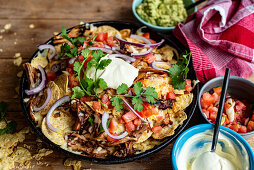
220	35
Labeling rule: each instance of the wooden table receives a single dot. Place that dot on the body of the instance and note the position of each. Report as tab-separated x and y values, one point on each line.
47	17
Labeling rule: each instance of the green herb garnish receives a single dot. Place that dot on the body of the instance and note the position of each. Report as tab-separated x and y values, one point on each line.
178	72
10	126
150	94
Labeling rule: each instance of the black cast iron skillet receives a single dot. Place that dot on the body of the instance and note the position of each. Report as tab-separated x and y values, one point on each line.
170	40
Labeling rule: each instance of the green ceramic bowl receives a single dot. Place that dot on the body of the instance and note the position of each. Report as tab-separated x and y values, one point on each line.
135	3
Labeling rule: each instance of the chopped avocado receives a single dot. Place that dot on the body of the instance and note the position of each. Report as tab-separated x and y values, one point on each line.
164	13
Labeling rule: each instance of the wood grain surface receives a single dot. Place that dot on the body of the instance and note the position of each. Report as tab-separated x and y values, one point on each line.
48	16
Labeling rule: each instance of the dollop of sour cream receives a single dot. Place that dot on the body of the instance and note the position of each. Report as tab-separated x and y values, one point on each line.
116	73
196	155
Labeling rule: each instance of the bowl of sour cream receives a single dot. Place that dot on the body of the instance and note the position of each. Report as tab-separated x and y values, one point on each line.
191	150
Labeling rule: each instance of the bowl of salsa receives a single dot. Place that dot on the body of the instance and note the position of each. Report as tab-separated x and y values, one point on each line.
238	111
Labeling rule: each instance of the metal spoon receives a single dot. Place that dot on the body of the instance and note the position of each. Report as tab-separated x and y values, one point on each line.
220	110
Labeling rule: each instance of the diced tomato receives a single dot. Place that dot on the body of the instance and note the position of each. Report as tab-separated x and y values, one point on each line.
159	118
113	125
217	90
156	129
98	44
212	109
242	129
203	104
106	101
234	127
149	58
239	106
213	116
51	76
171	95
86	99
101	37
130	126
146	35
110	41
112	139
96	106
227	105
215	96
250	126
188	85
129	116
73	81
137	122
148	110
208	99
166	121
206	113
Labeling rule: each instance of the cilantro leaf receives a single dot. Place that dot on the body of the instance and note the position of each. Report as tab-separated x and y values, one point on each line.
77	66
88	83
122	89
102	84
117	103
85	52
178	72
103	64
65	35
137	102
150	94
77	92
138	88
11	126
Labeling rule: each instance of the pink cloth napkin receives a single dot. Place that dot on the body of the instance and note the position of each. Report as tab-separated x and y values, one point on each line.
220	36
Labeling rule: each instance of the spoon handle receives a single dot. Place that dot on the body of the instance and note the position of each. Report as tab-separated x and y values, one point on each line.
220	110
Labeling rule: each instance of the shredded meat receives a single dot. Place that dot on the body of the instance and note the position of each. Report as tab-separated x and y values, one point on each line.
123	140
141	130
75	32
165	104
31	74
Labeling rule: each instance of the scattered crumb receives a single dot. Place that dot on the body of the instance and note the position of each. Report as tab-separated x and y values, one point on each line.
7	26
1	50
76	164
81	23
31	26
17	89
2	30
15	96
38	140
32	39
55	33
15	43
27	146
1	37
19	74
42	152
15	33
17	55
17	61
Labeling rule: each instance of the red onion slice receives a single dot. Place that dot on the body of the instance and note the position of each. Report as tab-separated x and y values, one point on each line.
104	120
126	57
72	60
131	43
139	37
49	93
127	104
106	46
106	50
51	47
115	48
51	110
41	85
153	65
142	54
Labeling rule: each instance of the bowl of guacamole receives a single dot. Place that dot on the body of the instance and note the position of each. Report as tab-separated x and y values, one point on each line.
161	15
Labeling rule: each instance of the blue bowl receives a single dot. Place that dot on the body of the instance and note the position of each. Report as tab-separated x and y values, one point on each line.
201	128
135	3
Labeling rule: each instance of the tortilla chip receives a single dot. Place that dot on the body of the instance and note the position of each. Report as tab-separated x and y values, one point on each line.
182	102
148	144
64	122
177	119
76	164
62	82
55	95
39	60
125	33
108	29
145	135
